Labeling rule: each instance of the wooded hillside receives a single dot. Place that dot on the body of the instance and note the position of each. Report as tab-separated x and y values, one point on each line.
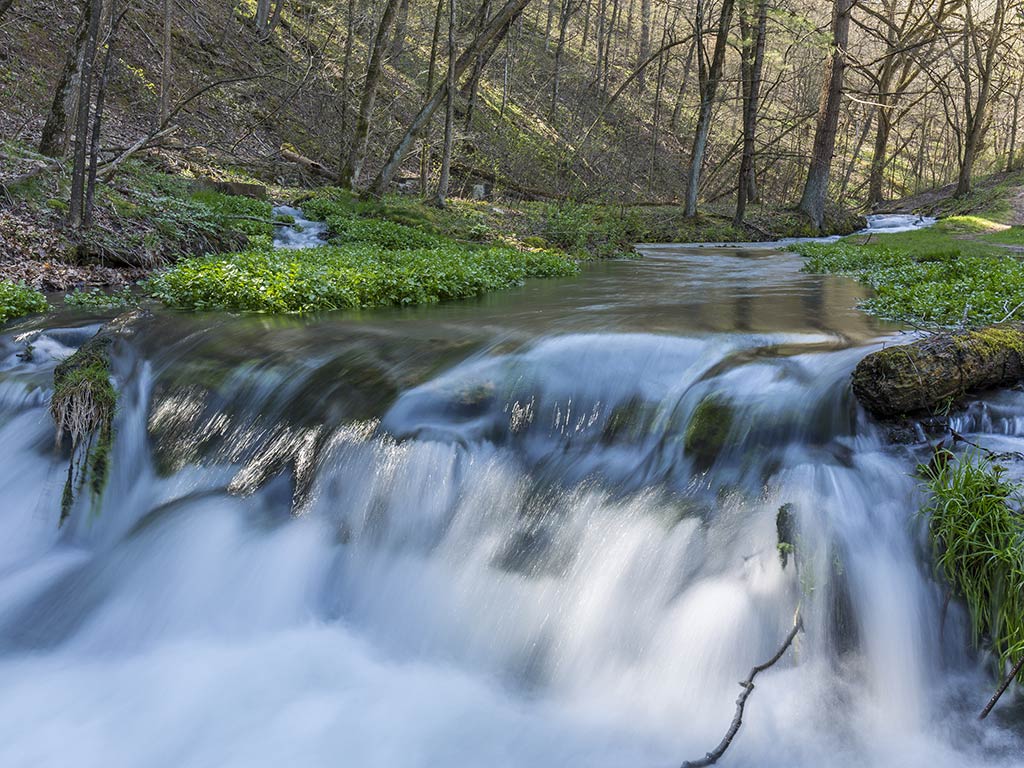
628	100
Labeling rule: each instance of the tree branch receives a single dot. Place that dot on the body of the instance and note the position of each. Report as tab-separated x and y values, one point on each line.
748	685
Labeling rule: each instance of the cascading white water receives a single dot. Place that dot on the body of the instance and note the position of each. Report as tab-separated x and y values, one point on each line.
471	536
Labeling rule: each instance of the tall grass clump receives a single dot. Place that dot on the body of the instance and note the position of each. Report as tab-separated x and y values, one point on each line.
977	531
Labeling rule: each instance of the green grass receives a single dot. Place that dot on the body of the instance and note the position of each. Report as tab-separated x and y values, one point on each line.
977	529
933	276
17	299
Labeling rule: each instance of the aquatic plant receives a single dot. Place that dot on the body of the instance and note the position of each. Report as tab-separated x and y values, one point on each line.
17	299
356	275
977	530
97	299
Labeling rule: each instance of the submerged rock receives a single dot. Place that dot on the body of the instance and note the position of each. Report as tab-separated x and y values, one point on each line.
708	430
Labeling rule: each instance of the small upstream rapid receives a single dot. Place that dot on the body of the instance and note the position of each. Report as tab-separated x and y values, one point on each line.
538	529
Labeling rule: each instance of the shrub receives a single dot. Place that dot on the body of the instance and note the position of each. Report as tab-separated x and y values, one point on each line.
17	299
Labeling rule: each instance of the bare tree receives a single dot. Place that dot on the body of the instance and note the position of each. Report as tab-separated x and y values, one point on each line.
449	113
812	202
361	135
980	51
53	142
753	27
709	75
76	208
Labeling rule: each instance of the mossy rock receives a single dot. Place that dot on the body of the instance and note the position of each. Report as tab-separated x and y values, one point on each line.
82	407
708	430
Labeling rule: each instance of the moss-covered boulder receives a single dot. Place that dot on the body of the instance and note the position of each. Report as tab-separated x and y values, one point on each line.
708	430
937	369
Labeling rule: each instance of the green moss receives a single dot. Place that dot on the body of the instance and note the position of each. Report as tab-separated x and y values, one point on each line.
17	299
708	430
82	406
977	530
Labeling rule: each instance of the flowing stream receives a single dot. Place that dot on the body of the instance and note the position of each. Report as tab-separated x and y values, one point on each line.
502	532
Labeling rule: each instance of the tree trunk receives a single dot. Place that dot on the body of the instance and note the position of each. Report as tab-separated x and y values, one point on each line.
482	58
165	70
374	69
346	74
876	176
76	209
449	113
1012	153
977	113
563	29
645	41
401	24
710	78
928	373
275	19
262	16
431	74
53	140
812	203
750	66
97	120
496	28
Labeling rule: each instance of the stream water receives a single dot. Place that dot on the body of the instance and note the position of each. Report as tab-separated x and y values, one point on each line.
477	534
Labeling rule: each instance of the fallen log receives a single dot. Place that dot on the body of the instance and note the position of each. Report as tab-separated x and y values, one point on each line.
937	369
312	166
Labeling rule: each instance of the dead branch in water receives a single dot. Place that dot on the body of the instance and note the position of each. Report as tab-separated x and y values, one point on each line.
747	685
1002	688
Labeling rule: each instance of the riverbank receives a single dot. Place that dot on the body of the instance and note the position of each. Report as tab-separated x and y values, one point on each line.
180	232
964	270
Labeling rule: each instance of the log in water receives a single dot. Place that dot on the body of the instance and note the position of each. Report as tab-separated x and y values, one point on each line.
936	370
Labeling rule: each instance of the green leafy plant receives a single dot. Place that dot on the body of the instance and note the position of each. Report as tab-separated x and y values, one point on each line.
97	299
17	299
977	530
354	275
929	276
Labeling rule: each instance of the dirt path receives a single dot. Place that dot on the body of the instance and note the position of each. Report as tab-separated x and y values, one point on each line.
1017	206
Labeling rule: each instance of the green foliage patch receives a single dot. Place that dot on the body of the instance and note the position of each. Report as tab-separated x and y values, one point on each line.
355	275
977	530
17	299
936	275
97	299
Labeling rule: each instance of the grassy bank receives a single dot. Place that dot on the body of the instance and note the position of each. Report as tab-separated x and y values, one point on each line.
960	268
199	248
